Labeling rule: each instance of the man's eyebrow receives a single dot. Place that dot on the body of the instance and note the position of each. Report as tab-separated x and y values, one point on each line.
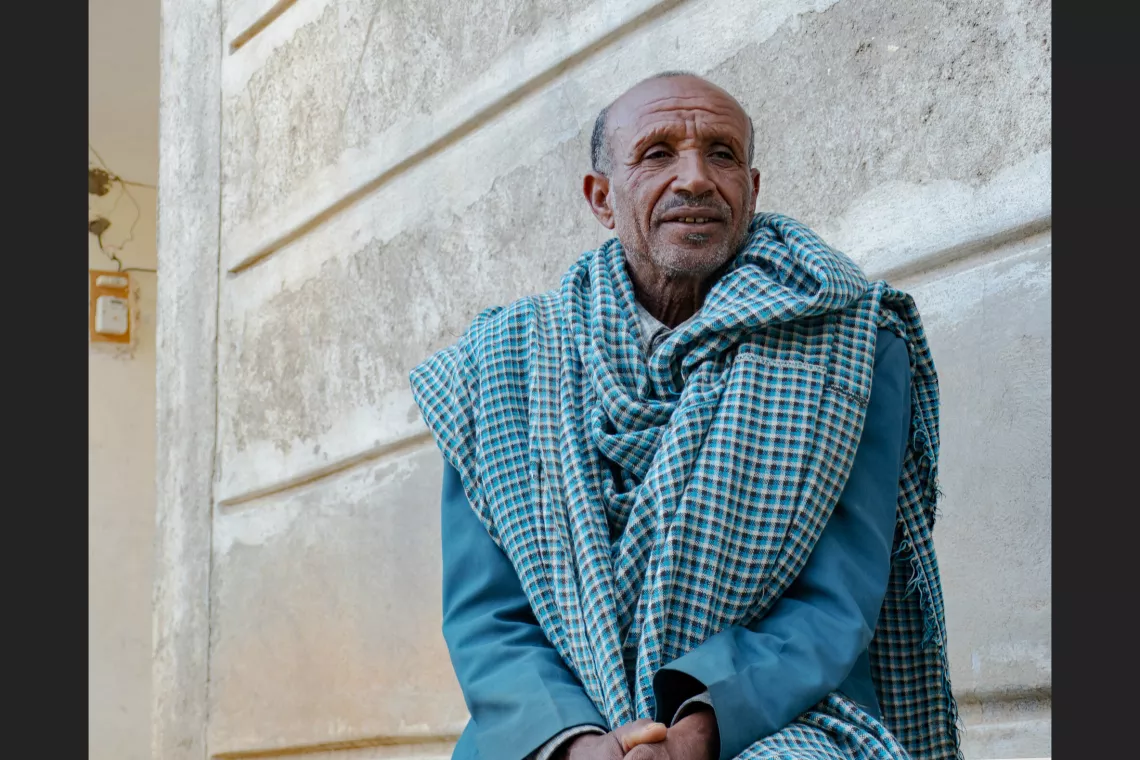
728	139
663	131
656	134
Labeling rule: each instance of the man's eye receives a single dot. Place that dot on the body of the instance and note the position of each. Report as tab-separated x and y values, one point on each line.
656	153
724	154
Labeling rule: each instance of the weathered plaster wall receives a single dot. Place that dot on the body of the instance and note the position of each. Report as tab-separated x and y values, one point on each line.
120	502
388	169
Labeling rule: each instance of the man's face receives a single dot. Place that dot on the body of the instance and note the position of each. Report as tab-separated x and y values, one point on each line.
681	192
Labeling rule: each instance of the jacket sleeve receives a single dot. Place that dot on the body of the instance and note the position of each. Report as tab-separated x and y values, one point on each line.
814	639
519	691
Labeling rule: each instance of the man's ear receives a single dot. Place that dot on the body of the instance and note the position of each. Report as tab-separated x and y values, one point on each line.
755	188
596	188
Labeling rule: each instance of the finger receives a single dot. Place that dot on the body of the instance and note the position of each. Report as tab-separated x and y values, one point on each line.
650	733
634	727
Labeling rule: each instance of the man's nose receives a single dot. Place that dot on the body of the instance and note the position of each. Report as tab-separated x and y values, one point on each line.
692	174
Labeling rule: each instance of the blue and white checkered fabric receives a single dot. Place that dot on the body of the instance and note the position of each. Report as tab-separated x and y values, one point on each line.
648	504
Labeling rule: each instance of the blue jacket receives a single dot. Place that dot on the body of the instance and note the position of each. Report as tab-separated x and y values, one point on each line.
759	678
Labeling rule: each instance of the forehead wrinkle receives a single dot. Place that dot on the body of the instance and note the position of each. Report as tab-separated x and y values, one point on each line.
720	100
715	129
649	109
695	120
646	115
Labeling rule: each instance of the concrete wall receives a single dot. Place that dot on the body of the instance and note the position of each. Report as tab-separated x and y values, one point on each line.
381	171
120	504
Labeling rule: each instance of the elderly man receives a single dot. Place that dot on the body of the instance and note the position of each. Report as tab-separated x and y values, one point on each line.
688	495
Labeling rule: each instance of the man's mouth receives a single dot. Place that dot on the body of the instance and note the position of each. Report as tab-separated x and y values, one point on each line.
703	226
693	219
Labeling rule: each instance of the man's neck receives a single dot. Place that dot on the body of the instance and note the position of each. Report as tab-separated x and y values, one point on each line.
670	297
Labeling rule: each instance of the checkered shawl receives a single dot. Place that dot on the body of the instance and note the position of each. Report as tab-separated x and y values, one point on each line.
648	504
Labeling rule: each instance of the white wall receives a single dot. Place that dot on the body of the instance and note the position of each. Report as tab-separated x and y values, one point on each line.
388	169
120	508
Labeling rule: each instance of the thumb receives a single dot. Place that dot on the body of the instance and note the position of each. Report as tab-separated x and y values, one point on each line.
640	732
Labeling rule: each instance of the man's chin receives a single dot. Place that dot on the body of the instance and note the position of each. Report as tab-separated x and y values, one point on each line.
695	257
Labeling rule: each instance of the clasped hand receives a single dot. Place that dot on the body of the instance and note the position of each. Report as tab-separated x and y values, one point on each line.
691	738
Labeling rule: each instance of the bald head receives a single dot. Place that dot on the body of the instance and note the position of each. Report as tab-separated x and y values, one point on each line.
601	152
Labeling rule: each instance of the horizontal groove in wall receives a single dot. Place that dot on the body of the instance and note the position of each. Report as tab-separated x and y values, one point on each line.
259	24
455	134
441	740
1032	695
957	254
308	477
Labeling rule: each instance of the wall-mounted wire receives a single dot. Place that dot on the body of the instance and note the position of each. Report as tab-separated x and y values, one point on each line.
112	254
108	254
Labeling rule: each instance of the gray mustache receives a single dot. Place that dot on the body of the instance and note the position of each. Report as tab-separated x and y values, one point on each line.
706	202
